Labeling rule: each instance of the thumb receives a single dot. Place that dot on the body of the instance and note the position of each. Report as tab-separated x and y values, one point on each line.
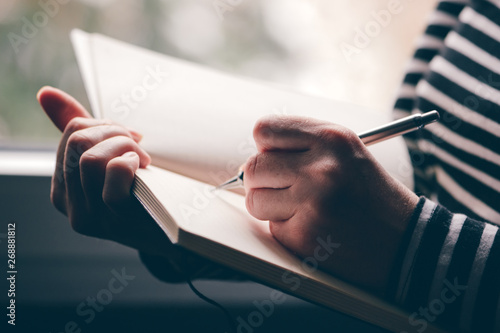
60	107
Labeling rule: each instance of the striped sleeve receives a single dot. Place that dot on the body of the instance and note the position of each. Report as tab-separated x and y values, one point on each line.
448	273
457	161
443	20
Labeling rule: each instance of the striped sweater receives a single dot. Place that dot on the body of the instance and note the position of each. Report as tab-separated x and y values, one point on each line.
448	271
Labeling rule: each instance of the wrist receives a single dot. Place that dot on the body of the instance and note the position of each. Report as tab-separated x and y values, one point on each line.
402	223
393	206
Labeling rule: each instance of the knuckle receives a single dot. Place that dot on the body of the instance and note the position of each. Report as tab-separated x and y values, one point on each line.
90	162
338	135
262	127
118	129
124	169
99	133
123	141
126	141
78	142
325	171
76	124
107	121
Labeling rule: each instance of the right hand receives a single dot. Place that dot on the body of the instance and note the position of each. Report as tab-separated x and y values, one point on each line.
314	180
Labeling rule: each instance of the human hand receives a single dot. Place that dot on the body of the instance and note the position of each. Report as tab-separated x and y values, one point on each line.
96	163
315	179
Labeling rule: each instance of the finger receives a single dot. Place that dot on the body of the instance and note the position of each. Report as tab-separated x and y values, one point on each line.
60	107
285	133
71	188
69	116
94	161
273	169
120	174
295	232
58	180
271	204
95	131
84	133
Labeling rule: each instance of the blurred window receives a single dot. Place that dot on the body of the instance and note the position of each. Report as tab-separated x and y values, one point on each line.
296	43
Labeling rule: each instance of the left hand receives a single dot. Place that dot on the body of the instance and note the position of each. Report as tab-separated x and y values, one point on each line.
95	169
313	179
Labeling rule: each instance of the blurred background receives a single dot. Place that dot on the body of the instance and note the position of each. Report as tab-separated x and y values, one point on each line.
308	45
296	43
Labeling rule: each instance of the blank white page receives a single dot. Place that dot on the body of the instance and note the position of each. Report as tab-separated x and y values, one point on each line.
197	121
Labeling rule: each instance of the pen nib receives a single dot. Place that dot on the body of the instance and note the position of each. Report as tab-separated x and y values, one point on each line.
235	182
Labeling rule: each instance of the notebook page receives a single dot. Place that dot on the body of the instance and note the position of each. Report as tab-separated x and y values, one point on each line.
82	44
198	122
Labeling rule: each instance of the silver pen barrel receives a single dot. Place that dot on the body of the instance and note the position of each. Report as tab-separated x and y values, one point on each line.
398	127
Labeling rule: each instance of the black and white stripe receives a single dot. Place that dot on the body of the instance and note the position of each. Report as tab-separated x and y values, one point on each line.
455	70
462	81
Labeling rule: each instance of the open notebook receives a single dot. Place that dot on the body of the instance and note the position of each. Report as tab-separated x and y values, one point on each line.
197	124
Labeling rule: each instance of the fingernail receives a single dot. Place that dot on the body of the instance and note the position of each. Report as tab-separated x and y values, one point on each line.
149	159
39	93
135	135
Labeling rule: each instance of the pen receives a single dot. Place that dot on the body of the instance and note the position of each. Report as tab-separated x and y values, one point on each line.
379	134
